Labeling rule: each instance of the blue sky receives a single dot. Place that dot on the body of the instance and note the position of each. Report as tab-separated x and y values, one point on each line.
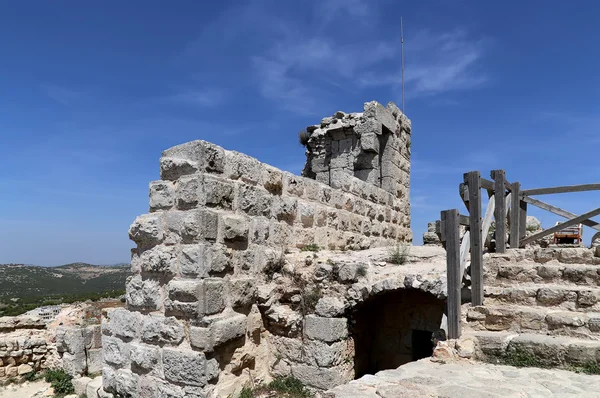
91	93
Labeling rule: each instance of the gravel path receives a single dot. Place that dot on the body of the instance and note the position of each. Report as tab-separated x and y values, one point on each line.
466	379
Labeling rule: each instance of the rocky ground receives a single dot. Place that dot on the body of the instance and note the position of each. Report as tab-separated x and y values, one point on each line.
26	390
467	379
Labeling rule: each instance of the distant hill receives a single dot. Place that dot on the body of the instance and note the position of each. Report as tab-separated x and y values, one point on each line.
23	287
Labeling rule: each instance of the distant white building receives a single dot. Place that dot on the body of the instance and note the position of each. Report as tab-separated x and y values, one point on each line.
47	313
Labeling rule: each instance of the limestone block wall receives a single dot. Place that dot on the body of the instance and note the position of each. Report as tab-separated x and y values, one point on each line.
219	221
373	146
25	346
80	349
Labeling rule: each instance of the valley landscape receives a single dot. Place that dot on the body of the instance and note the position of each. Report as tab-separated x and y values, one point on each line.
25	287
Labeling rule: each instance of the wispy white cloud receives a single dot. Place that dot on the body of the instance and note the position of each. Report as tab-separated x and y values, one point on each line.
205	98
437	63
61	94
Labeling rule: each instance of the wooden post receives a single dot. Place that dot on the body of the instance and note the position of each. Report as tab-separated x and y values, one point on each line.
515	214
500	211
522	220
451	227
474	183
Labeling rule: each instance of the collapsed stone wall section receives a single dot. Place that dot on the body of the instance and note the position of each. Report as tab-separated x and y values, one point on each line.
374	146
218	221
25	346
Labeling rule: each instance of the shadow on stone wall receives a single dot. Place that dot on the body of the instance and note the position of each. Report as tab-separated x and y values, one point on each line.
394	328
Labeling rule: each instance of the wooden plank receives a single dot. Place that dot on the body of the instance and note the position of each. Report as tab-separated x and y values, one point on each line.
463	190
556	228
563	189
487	184
463	220
443	227
500	211
507	185
454	283
560	212
522	220
474	182
515	235
465	246
487	220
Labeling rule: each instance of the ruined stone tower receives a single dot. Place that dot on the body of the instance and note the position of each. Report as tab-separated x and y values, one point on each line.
202	310
373	146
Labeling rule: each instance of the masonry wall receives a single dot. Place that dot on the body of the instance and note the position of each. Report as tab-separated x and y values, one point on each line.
25	346
218	221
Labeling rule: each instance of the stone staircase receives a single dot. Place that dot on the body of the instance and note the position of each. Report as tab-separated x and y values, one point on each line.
541	302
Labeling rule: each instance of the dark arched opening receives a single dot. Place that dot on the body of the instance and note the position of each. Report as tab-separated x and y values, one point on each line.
394	328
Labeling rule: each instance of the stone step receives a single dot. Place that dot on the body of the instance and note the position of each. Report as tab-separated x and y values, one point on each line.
544	273
568	297
556	351
540	320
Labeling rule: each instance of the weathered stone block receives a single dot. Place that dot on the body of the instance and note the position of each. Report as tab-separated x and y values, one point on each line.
325	329
211	296
235	228
146	230
284	209
126	383
184	367
159	259
329	307
201	338
369	142
293	185
192	260
228	328
320	378
259	230
182	297
162	195
212	158
94	361
253	201
121	322
157	329
272	180
242	291
92	387
173	168
143	294
187	192
306	213
145	358
218	193
80	385
114	351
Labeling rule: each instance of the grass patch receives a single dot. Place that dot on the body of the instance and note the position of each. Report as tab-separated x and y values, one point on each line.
399	254
313	247
60	380
521	359
282	386
31	376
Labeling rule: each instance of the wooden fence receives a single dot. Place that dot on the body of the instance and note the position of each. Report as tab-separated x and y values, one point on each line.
507	205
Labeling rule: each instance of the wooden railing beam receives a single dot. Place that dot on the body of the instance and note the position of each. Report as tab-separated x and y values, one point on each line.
454	282
556	228
560	212
473	180
500	210
563	189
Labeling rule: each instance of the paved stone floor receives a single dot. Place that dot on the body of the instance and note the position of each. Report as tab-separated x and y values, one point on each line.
465	379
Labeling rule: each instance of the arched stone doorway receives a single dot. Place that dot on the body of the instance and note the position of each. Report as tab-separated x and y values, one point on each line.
394	328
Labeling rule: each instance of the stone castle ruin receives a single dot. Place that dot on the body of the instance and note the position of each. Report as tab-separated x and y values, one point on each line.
222	295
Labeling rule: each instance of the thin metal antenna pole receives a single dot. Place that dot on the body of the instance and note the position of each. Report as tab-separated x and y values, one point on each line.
402	45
